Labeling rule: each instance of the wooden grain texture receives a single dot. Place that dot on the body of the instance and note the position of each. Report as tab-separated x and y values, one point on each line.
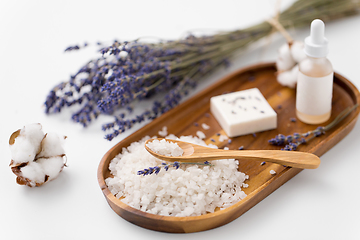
197	153
180	121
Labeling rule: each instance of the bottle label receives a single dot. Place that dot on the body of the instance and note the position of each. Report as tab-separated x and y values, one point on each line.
314	94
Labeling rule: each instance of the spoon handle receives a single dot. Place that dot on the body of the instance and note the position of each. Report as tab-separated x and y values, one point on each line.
288	158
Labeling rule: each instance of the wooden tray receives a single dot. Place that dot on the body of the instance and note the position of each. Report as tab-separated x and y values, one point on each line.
180	121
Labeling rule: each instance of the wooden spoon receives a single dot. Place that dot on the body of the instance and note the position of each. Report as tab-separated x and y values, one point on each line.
197	153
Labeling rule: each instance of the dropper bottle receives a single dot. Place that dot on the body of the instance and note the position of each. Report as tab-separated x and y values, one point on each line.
315	79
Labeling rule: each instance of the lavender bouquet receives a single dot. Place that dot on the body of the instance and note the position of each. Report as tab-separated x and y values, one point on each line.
128	72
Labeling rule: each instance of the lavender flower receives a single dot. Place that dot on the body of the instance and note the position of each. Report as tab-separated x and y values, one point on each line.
166	166
292	142
126	73
77	47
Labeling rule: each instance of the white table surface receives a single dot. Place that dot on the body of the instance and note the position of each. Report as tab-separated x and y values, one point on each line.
315	204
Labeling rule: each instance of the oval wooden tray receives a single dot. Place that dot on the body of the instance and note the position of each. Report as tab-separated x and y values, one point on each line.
180	121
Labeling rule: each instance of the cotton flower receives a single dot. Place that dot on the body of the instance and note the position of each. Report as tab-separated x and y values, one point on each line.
290	54
36	158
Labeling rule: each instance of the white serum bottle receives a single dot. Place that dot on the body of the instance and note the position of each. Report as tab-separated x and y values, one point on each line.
315	79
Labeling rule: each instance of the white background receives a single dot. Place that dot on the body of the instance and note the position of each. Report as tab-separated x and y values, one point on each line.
315	204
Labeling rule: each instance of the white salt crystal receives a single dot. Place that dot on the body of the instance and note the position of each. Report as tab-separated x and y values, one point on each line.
200	135
165	148
272	172
163	132
205	126
188	211
223	138
191	190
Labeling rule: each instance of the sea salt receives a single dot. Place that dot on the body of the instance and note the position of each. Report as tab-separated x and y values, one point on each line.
163	132
205	126
223	138
165	148
191	190
272	172
200	134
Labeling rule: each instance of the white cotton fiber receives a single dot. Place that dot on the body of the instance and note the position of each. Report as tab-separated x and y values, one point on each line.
22	150
287	63
289	78
33	171
52	145
51	166
284	61
27	143
36	157
191	190
297	51
33	132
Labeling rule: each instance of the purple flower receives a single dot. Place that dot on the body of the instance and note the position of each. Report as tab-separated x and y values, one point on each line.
166	166
292	142
126	73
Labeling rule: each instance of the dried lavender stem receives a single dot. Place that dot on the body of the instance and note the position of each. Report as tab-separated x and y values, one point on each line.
281	139
340	117
167	66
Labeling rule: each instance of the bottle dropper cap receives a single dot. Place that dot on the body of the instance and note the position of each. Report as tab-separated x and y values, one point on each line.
316	45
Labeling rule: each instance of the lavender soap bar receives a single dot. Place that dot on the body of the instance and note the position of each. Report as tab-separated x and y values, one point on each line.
243	112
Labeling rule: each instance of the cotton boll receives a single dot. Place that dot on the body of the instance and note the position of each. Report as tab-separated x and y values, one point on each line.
22	151
25	143
36	157
33	132
32	174
51	145
297	51
52	166
288	78
288	68
284	60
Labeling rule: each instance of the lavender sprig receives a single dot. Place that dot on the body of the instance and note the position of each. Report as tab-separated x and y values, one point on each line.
166	166
128	72
292	142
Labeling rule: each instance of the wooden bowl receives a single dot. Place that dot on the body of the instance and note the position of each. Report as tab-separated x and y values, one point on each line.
180	121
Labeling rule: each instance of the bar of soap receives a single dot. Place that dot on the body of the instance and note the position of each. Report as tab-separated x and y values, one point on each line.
243	112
